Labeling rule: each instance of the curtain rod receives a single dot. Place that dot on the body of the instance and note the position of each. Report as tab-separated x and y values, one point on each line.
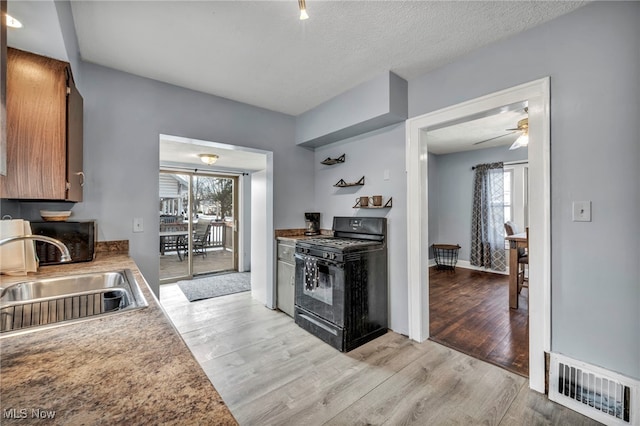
180	169
510	163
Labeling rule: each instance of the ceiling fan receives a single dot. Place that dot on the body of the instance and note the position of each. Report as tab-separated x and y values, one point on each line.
523	139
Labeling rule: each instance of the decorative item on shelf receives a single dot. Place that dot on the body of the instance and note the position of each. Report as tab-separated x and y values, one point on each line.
362	201
342	184
331	161
373	203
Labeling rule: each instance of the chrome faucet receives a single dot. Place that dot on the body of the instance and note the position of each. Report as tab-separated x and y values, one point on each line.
66	257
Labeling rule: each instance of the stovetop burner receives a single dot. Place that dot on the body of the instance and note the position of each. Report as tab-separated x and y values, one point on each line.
337	243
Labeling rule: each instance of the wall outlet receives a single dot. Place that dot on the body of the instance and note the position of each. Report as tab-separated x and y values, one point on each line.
582	211
386	174
138	225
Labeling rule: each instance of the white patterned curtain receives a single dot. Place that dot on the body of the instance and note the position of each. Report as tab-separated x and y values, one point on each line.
487	219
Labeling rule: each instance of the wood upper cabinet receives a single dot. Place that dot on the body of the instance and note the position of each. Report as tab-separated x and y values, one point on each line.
44	130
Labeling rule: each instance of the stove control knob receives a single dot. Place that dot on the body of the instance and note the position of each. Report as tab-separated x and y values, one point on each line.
325	255
332	256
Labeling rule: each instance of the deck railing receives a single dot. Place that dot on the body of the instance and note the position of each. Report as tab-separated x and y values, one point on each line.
216	235
220	235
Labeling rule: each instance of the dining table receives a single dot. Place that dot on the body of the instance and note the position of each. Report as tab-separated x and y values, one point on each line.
179	236
516	241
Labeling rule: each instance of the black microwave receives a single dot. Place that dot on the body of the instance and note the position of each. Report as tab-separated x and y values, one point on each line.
79	237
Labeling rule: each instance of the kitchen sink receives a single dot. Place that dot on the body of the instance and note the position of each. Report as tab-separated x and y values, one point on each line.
50	302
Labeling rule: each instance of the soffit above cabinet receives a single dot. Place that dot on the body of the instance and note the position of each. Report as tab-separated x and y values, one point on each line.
369	106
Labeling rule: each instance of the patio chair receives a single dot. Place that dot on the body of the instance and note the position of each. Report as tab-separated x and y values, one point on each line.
201	237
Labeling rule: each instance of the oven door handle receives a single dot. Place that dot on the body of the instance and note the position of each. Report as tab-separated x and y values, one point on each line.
320	261
330	263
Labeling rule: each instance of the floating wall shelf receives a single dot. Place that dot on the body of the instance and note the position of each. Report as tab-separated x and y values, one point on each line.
386	205
342	184
331	161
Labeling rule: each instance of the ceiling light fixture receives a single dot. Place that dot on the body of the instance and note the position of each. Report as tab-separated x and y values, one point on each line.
523	140
13	22
208	158
303	10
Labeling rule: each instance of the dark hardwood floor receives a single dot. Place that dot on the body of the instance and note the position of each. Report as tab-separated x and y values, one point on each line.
469	312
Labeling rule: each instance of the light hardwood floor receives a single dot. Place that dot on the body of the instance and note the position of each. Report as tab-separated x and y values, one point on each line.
271	372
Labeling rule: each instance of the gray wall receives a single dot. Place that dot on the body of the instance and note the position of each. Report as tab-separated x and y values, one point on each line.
124	115
369	155
593	58
451	195
65	17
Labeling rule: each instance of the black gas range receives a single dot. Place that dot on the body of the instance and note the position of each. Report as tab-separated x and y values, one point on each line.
341	283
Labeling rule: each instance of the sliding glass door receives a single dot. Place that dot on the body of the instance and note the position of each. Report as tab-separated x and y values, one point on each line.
198	224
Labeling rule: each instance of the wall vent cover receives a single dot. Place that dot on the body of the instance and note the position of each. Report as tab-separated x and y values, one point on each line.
597	393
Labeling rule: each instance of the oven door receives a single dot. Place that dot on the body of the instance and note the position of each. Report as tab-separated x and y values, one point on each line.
319	287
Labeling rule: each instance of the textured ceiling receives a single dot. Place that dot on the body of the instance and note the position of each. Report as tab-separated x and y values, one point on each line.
259	53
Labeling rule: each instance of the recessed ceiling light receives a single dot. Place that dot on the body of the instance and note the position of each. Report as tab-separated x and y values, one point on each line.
13	22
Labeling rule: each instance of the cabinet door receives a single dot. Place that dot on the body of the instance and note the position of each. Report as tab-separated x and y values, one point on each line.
286	285
75	175
36	127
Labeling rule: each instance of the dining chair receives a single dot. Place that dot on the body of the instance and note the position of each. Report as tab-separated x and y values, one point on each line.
523	265
511	228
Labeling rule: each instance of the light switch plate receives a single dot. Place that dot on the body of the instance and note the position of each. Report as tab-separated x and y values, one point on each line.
138	225
582	211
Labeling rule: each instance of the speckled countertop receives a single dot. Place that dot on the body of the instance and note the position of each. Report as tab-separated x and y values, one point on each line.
298	234
132	368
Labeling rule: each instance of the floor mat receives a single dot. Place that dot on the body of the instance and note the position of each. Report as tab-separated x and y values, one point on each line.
215	285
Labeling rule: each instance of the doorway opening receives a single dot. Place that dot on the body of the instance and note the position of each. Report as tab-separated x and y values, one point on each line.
476	185
252	221
536	94
198	224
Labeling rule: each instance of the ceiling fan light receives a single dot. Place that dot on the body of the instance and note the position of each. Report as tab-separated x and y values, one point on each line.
303	10
521	142
208	158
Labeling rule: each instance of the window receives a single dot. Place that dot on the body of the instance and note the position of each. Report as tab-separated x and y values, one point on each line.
508	195
508	198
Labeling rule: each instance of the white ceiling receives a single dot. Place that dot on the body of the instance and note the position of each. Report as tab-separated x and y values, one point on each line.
183	152
41	33
479	133
260	53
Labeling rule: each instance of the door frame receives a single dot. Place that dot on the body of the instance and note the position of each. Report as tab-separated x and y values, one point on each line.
537	93
236	212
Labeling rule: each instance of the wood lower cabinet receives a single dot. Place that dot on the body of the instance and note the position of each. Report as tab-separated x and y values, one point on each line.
44	130
285	280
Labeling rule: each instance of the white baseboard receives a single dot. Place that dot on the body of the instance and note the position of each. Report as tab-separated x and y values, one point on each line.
467	265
